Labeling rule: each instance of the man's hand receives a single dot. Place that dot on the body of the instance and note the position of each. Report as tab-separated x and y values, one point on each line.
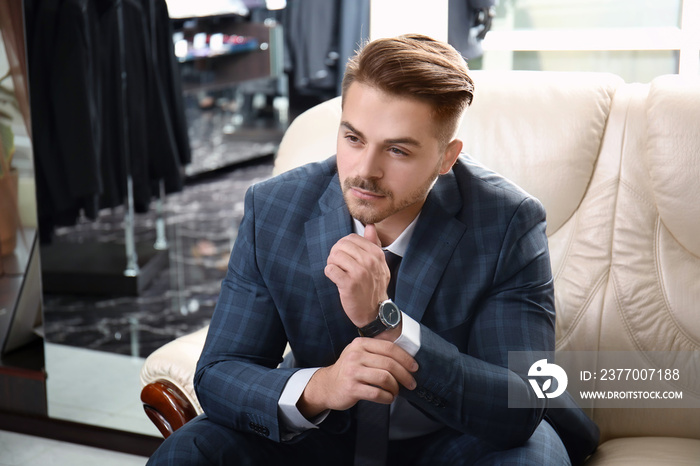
358	268
367	369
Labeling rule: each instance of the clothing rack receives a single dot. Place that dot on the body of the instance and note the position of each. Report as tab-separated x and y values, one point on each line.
161	243
132	266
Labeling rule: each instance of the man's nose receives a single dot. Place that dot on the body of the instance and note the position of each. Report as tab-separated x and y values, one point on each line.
370	164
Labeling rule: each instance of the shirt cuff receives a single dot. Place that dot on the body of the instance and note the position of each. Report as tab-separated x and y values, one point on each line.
293	422
409	339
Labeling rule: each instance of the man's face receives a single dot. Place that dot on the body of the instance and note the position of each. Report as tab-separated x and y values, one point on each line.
388	156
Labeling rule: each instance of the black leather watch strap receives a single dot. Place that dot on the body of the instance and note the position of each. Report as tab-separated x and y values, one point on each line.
372	329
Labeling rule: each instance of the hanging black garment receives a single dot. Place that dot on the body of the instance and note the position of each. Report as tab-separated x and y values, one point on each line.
64	91
150	146
77	101
161	30
40	19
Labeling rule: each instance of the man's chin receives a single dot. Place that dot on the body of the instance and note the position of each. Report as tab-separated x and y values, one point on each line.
366	214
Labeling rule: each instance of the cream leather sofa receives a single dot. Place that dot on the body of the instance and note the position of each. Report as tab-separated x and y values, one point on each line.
617	167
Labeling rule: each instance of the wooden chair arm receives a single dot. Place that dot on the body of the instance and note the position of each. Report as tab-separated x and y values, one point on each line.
166	406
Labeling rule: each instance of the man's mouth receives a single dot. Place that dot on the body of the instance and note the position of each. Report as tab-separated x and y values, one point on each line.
366	190
365	194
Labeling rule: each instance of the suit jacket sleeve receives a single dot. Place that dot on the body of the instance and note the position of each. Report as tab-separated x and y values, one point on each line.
468	391
237	380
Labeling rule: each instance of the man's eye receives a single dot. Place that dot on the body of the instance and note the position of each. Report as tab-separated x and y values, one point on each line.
353	139
397	151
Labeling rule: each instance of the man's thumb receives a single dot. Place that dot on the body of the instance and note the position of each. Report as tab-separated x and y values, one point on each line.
371	234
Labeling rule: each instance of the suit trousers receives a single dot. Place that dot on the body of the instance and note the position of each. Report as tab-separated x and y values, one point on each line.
203	442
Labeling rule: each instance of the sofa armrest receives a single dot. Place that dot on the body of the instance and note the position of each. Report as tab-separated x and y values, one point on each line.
166	406
167	382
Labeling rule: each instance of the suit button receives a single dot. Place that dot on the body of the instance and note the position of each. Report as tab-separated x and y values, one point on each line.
259	429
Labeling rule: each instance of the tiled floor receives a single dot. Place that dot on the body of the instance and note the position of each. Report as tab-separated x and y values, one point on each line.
86	386
25	450
96	387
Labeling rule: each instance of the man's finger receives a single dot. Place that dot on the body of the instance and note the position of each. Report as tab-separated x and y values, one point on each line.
390	357
363	243
387	365
375	394
353	253
389	349
371	234
378	378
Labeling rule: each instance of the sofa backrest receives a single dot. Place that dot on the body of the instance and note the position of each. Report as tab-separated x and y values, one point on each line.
652	300
311	137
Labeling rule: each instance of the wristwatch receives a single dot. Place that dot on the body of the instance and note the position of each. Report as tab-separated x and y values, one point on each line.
389	317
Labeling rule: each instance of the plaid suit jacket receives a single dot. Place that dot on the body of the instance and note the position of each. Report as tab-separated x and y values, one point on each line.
476	276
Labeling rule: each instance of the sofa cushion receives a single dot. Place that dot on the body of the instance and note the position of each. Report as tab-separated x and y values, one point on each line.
647	451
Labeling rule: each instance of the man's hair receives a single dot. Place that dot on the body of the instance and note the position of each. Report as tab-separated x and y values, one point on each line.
416	66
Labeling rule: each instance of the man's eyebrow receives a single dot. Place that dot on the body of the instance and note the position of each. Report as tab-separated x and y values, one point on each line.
352	129
407	140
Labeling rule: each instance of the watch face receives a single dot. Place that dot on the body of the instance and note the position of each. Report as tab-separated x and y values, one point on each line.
390	314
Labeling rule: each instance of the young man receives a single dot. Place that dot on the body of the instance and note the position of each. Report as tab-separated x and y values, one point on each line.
309	268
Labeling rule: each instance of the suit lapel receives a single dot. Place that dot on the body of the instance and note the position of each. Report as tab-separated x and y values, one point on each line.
322	233
437	234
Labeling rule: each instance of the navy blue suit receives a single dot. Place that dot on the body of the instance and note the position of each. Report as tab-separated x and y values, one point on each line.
476	276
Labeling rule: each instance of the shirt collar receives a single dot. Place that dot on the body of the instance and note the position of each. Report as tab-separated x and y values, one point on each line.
400	245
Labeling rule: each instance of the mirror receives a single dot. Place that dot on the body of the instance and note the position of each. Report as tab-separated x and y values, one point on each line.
114	293
83	385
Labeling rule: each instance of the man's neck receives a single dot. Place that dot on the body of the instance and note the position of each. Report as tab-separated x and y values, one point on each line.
397	245
391	227
388	235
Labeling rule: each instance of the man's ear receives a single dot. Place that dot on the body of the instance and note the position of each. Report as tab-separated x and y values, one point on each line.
452	151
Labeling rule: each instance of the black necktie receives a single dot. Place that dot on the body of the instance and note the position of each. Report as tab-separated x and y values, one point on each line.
393	261
373	418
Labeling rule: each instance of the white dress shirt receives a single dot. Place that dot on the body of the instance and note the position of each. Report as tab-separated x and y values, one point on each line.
405	421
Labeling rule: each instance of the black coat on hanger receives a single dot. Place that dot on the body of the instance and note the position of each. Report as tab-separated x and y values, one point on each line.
161	30
150	143
64	96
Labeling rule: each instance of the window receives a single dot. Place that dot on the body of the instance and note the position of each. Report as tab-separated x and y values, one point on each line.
636	39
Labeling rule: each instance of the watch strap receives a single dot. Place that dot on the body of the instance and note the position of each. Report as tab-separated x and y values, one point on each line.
372	329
